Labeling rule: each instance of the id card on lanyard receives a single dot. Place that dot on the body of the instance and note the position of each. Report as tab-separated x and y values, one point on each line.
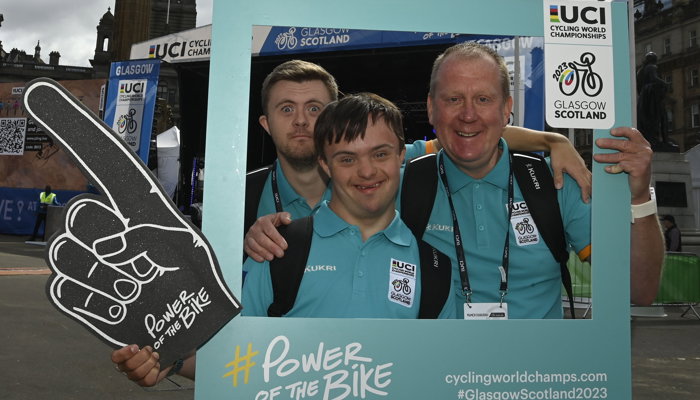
472	310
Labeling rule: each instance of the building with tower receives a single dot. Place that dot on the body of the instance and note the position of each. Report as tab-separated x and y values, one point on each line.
103	54
170	16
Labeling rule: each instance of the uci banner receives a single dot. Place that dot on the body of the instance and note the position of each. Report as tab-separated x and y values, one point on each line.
131	101
259	358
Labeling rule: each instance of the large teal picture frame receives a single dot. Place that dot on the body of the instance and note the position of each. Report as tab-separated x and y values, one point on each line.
406	359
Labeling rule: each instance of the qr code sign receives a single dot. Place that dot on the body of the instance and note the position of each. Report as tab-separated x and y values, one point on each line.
12	134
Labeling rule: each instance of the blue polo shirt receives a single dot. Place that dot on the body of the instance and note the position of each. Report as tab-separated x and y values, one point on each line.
534	281
291	201
348	278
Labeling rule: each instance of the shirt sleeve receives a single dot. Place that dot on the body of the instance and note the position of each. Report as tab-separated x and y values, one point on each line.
415	149
576	216
257	289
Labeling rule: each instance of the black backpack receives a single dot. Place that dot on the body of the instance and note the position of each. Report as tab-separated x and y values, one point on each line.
536	184
254	184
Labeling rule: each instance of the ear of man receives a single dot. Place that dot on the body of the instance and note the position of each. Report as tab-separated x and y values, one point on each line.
263	122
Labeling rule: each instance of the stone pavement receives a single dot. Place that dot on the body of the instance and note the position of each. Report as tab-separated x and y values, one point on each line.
45	355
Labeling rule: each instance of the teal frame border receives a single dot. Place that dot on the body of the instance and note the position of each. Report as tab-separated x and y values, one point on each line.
422	353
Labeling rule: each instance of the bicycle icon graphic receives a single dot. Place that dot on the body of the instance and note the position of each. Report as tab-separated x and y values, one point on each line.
524	226
286	40
401	285
579	74
127	123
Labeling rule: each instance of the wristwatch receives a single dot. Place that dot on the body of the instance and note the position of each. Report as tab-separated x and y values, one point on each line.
177	366
644	209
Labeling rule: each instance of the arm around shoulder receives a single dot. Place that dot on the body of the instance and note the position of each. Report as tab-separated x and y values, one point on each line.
565	158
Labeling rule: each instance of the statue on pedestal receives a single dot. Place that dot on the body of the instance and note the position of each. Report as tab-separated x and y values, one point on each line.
652	120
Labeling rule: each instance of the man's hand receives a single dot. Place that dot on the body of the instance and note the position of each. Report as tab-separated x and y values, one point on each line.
263	241
141	366
127	265
633	156
646	241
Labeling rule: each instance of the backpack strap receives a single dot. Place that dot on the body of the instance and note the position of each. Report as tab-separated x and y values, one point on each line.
417	198
286	272
418	193
537	186
254	184
435	275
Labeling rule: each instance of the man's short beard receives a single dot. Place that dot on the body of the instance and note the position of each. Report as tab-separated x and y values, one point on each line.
301	162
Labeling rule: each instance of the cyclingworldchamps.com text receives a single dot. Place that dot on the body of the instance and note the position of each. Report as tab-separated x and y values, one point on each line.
472	377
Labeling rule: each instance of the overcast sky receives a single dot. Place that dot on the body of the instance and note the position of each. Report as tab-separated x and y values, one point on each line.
69	27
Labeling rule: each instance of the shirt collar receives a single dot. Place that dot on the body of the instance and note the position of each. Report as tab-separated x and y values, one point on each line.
287	193
330	224
498	176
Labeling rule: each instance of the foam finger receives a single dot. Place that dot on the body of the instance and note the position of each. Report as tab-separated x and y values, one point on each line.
75	262
145	263
99	152
92	308
88	220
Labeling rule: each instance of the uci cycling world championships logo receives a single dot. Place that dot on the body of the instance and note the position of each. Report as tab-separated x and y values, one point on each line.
132	90
578	61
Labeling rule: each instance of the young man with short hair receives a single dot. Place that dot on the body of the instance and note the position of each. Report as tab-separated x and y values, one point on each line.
363	261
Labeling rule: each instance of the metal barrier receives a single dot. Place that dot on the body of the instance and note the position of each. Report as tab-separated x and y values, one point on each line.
679	287
680	282
580	283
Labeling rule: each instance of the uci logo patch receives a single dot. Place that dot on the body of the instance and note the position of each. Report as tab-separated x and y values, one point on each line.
523	225
402	283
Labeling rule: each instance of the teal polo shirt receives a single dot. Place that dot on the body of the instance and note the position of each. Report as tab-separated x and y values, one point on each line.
348	278
534	281
291	201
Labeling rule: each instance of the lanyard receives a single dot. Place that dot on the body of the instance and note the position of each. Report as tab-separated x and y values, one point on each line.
461	259
275	190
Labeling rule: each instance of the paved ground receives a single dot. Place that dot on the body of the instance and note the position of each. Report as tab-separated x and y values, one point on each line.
45	355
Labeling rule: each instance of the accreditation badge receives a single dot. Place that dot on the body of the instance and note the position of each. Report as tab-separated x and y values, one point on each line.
475	311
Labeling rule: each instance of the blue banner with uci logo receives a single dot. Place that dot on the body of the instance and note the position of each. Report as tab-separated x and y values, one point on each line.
131	101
